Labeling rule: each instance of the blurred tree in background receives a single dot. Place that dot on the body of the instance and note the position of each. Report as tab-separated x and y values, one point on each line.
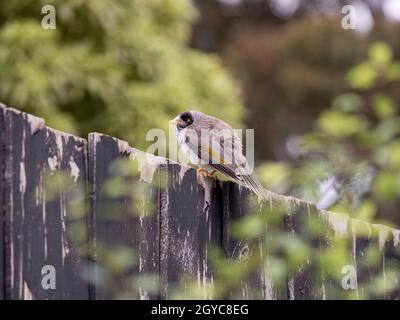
121	68
290	58
322	133
323	102
124	68
354	149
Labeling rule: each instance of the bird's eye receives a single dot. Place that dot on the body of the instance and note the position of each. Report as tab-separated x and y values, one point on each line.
187	118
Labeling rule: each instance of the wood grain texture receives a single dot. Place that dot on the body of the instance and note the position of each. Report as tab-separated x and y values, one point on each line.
191	225
305	281
2	194
376	256
238	203
38	221
392	262
341	244
124	223
152	225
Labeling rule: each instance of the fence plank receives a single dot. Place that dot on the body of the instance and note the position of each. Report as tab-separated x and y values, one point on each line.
2	168
343	247
392	262
238	203
306	281
191	224
39	219
152	224
383	280
125	222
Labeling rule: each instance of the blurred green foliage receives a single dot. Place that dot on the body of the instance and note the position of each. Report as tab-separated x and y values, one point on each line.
357	137
118	67
125	67
303	258
292	71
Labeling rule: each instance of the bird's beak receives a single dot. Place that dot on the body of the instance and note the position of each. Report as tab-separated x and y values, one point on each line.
176	120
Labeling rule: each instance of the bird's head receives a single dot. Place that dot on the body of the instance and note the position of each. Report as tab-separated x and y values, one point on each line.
186	119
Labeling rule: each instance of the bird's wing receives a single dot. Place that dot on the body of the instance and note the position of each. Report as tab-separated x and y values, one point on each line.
243	178
222	150
216	146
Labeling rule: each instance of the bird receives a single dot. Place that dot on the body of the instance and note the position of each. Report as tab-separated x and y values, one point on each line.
214	149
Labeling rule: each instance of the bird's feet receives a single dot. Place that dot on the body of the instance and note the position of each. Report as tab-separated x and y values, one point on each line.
212	175
204	173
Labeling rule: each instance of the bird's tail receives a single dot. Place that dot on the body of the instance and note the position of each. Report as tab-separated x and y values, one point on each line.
254	185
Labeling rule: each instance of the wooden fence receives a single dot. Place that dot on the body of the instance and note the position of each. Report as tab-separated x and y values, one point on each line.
115	225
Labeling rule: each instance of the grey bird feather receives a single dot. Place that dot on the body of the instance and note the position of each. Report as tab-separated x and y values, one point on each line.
212	145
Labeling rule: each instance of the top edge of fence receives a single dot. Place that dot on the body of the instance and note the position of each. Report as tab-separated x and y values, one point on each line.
39	123
149	163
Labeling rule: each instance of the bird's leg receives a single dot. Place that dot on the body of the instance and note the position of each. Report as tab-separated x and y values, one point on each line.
212	175
202	172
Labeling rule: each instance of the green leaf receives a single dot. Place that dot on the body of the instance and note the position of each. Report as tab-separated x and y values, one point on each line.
340	125
366	211
387	129
380	54
249	227
275	176
387	185
395	154
362	76
348	102
393	72
384	107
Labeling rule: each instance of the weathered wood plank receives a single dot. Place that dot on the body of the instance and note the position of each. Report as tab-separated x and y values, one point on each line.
305	278
44	206
342	248
2	168
154	223
191	225
319	249
124	219
378	266
255	253
392	265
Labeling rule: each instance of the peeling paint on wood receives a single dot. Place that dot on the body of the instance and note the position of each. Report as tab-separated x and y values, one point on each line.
147	164
238	202
37	229
359	240
191	222
125	220
2	196
152	224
